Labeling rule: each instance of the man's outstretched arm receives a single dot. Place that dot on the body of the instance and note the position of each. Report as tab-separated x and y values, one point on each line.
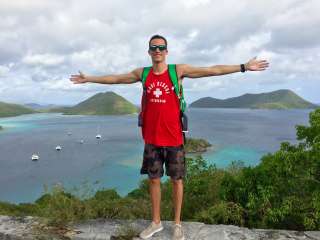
127	78
197	72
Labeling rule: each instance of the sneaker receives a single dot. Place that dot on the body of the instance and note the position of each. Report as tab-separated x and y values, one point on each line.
177	232
150	230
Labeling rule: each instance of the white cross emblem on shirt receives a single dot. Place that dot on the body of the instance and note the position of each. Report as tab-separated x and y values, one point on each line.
157	92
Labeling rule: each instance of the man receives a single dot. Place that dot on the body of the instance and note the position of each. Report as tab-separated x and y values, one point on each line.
162	130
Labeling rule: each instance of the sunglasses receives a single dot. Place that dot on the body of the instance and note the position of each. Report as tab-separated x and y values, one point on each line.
153	48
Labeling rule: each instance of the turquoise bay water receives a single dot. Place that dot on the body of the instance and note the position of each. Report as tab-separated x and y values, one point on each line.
114	161
223	157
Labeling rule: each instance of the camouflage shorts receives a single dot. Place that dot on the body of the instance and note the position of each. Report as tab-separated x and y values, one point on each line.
155	156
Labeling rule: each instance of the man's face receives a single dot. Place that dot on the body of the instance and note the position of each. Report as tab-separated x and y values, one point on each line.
157	55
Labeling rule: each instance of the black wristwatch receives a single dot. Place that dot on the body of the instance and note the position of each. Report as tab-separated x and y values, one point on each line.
243	69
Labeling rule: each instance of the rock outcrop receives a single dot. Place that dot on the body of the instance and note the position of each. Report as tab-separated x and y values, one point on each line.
24	228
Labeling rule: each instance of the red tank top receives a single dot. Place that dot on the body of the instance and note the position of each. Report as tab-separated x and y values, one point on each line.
161	118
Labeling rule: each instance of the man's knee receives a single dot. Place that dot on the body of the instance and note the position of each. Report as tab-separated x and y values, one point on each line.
154	181
177	181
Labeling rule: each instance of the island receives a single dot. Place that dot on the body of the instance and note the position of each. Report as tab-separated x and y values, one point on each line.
11	110
196	145
1	128
108	103
280	99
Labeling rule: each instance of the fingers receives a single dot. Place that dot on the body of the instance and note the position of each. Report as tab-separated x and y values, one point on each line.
75	79
260	66
263	64
259	61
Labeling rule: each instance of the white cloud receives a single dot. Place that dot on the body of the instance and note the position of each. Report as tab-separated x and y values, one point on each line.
194	3
204	85
4	70
43	59
103	59
246	48
43	42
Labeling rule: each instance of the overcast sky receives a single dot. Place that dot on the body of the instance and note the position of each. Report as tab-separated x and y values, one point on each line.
43	42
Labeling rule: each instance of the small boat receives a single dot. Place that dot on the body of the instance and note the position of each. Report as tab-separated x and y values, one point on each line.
69	133
34	157
98	136
81	141
58	148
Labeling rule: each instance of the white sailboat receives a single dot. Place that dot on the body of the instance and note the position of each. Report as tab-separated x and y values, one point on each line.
58	148
98	136
34	157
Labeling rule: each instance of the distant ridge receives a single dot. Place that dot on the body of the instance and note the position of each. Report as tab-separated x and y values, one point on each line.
108	103
10	110
36	106
280	99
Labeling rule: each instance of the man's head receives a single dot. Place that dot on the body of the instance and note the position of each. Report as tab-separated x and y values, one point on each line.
158	48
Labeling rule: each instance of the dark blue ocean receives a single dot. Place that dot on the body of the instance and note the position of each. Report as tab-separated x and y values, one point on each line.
114	160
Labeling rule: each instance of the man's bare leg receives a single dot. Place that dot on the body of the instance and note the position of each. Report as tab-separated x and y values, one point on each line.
155	194
177	198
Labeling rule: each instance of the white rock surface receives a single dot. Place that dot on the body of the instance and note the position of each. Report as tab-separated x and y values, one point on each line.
16	227
20	228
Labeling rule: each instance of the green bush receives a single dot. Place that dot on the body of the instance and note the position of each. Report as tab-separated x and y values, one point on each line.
222	213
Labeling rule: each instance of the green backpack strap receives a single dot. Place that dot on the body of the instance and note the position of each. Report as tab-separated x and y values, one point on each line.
145	73
177	88
174	79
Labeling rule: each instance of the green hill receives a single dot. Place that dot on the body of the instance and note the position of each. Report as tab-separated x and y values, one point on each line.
108	103
10	110
280	99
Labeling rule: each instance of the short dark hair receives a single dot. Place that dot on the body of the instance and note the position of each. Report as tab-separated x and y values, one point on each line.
158	36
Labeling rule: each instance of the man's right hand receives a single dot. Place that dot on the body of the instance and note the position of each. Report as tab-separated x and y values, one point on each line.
77	79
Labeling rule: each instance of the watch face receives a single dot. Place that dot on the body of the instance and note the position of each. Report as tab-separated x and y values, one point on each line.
242	68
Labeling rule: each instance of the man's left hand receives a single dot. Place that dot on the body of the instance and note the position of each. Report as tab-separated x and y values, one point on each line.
256	65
